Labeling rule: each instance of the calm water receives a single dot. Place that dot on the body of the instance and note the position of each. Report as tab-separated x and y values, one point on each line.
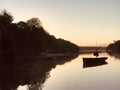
72	76
63	73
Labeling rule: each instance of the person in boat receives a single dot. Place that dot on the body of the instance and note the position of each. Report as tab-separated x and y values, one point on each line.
96	53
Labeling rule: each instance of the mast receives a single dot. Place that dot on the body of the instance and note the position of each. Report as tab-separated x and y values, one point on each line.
96	53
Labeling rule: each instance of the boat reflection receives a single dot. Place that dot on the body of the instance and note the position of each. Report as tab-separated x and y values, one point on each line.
32	73
93	64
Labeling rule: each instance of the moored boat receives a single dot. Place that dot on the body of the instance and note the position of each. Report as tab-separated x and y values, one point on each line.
94	59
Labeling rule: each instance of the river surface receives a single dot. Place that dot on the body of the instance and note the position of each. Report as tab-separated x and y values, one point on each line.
73	75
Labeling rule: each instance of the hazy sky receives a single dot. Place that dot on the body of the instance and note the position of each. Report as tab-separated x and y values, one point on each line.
83	22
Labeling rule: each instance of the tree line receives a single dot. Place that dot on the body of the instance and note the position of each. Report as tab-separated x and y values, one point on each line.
30	37
114	48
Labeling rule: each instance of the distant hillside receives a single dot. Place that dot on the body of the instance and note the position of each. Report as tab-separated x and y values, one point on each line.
30	37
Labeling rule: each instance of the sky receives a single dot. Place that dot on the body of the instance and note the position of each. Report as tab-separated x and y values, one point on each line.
83	22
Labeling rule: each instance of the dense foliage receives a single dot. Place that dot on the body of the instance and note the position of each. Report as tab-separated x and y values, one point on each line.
30	37
114	48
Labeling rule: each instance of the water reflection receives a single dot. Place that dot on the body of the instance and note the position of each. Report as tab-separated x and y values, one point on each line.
86	65
117	56
29	72
74	77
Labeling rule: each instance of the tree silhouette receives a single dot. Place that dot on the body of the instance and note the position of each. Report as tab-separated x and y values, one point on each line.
31	38
6	17
34	22
114	48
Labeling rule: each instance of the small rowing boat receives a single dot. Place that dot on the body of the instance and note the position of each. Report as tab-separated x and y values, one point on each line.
94	59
